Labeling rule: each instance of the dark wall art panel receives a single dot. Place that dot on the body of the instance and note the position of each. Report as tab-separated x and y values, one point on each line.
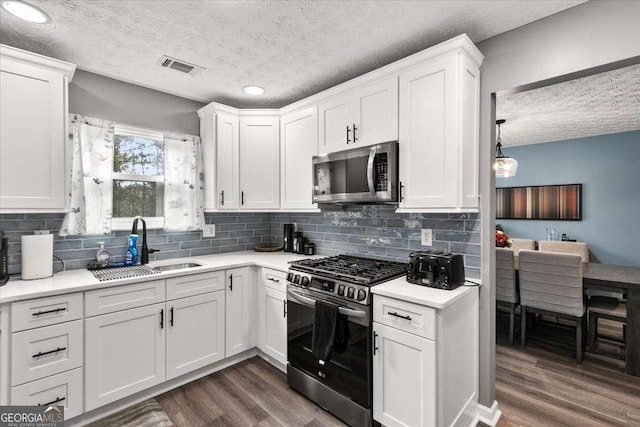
557	202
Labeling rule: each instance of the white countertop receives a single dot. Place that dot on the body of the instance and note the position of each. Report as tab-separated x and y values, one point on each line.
431	297
83	280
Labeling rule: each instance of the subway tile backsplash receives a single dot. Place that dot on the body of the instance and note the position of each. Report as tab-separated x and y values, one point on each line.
377	231
372	230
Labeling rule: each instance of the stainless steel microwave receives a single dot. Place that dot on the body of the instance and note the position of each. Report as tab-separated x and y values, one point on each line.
359	175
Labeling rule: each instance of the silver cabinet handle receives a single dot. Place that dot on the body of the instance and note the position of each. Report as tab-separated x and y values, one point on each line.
310	302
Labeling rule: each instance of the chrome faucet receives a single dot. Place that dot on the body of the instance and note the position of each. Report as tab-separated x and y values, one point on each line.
144	254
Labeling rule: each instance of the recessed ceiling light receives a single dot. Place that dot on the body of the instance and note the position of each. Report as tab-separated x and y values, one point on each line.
25	11
254	90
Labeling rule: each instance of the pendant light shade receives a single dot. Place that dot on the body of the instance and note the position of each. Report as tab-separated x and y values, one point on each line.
504	166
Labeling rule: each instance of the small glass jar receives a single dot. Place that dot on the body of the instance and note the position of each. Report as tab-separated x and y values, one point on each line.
309	248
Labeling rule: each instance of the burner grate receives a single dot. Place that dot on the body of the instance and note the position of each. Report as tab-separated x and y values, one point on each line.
361	270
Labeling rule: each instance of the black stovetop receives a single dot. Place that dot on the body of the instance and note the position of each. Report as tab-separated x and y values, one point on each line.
365	271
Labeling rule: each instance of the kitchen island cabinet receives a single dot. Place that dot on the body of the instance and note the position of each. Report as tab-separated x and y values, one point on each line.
33	113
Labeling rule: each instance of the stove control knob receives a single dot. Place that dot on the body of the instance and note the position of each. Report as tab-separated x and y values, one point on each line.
362	295
289	277
341	290
296	279
350	292
304	281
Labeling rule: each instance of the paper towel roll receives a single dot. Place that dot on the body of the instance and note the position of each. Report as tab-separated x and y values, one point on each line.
37	256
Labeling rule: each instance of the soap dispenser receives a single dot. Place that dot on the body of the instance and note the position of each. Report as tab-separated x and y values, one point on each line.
102	257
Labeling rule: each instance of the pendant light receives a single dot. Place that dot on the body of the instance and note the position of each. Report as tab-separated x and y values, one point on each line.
504	166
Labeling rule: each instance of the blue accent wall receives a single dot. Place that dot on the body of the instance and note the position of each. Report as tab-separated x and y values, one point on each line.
608	167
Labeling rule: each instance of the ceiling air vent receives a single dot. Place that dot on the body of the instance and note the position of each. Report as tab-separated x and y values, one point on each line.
182	66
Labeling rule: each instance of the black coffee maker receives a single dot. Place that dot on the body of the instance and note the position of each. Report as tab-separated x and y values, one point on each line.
287	239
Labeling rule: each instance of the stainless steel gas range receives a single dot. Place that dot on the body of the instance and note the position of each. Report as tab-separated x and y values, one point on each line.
343	383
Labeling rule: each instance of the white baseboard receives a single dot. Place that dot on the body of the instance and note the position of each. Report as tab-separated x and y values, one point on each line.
489	416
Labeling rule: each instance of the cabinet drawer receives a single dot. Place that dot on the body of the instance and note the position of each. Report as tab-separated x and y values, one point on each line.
118	298
194	284
35	313
274	279
406	316
41	352
62	389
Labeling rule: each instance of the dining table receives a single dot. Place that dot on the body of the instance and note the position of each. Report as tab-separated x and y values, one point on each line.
618	279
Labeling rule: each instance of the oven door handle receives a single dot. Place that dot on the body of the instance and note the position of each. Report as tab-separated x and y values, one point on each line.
310	302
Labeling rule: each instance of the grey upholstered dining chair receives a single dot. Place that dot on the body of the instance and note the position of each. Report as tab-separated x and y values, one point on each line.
551	284
506	291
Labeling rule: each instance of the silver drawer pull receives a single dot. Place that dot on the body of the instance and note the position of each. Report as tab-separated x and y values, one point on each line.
400	316
49	352
55	310
59	399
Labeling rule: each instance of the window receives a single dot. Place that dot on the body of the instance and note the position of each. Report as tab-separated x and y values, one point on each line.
138	177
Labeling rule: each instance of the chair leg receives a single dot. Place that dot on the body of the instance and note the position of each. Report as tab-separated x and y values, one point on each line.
579	327
523	326
593	331
512	321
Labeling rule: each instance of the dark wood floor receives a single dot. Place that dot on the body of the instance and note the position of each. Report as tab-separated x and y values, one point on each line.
537	386
252	393
544	386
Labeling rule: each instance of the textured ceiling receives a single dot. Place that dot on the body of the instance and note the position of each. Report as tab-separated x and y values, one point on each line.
596	105
291	48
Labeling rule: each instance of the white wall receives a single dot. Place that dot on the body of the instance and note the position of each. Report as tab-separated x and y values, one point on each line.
592	34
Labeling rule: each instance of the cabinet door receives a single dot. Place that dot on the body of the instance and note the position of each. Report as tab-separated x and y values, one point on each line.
240	311
404	378
429	152
375	113
195	332
273	323
298	145
335	130
260	162
227	161
32	137
124	353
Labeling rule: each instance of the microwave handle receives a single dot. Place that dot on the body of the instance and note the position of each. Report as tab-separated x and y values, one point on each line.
370	165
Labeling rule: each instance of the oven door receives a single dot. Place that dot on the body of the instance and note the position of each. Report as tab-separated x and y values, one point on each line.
349	372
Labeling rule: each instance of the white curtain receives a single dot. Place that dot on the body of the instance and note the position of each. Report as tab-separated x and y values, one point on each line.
183	183
91	186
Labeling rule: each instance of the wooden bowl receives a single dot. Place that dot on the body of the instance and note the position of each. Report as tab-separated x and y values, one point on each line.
268	247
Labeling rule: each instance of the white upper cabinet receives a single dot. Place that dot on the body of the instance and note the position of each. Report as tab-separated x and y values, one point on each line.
298	145
227	161
439	114
361	116
260	162
33	114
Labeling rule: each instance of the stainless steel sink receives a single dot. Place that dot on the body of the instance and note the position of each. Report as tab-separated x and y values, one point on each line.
180	266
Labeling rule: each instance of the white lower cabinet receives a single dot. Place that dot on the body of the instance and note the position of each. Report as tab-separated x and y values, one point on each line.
240	310
124	353
272	315
404	367
195	332
425	360
62	389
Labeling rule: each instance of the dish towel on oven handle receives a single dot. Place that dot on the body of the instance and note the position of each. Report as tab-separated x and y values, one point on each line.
325	318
